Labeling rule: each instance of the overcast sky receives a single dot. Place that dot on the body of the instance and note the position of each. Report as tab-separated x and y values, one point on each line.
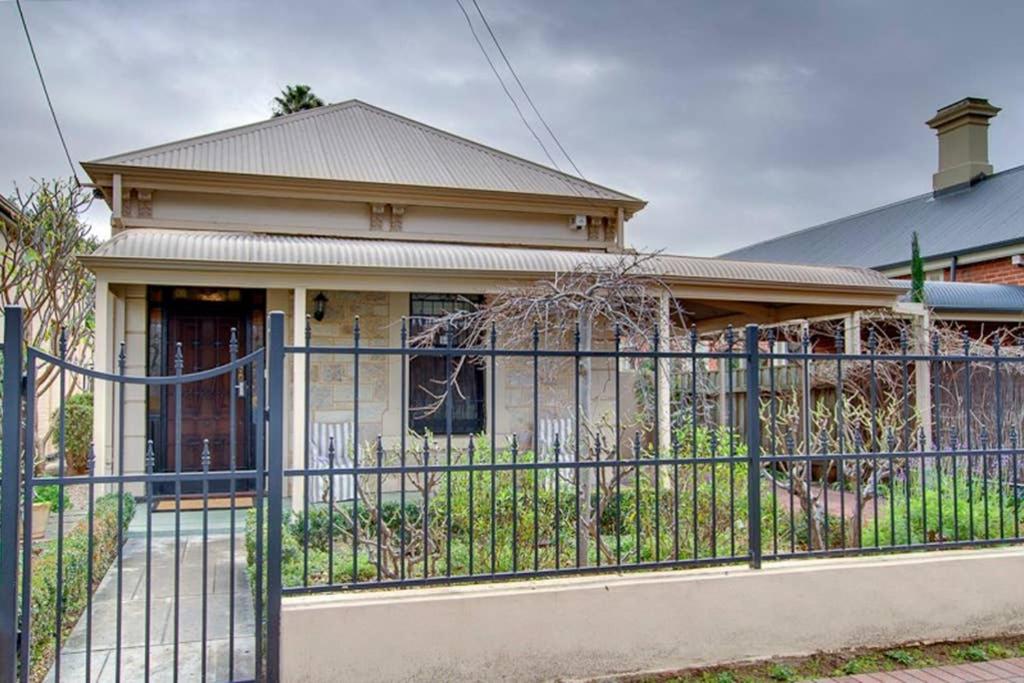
737	121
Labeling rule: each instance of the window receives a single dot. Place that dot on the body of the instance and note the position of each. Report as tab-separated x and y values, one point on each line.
428	374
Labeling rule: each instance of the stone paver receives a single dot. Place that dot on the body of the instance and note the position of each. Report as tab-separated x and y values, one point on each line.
977	672
162	607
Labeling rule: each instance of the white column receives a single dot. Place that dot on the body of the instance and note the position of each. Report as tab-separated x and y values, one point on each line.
923	373
398	307
664	407
102	396
851	333
299	417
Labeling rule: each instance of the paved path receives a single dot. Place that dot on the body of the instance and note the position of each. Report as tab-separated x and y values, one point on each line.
162	609
996	670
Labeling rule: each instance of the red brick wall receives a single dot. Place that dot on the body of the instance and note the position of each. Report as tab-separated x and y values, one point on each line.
1000	271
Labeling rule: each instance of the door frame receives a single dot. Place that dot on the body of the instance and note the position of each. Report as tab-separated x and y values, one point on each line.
161	304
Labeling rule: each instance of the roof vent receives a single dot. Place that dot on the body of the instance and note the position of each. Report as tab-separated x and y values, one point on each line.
962	129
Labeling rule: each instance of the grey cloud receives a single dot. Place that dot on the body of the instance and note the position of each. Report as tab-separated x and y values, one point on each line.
737	120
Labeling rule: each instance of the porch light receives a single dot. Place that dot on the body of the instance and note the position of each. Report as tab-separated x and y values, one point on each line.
319	306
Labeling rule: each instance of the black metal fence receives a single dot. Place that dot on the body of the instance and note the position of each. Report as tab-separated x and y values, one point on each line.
882	465
106	595
628	473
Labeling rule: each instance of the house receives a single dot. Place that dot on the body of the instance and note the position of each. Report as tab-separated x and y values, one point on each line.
350	210
970	226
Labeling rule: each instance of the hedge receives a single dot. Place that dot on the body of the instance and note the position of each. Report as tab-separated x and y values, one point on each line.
75	569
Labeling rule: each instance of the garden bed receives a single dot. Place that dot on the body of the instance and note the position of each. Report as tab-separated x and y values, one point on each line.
75	588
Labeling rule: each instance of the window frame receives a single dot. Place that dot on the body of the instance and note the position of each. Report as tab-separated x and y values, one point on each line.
466	419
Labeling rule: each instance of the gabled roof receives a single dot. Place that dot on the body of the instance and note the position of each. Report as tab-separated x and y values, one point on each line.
357	142
991	213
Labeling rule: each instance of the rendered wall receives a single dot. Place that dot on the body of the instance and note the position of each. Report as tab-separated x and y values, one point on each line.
575	627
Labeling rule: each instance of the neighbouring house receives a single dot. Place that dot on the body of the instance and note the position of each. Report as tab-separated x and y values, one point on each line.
970	228
971	234
350	210
971	225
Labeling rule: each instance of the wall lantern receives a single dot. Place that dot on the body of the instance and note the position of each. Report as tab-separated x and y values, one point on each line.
319	306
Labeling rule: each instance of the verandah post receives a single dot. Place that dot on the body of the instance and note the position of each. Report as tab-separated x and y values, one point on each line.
9	495
753	446
275	490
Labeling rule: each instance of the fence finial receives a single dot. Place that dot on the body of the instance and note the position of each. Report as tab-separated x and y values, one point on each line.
62	343
205	456
90	458
233	343
179	358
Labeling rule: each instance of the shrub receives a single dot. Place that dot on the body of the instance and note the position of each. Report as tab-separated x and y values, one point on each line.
967	506
533	525
75	588
77	431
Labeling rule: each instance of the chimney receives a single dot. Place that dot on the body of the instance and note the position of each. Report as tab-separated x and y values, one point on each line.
962	129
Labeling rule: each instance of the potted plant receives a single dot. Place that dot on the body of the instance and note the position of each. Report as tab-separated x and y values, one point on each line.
45	499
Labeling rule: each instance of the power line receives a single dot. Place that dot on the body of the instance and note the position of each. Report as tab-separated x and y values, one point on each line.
505	88
523	88
46	92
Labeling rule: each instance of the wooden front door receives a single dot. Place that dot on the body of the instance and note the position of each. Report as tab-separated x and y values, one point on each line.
203	330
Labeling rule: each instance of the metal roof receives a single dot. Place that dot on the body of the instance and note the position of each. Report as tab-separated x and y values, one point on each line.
357	142
258	249
989	213
970	296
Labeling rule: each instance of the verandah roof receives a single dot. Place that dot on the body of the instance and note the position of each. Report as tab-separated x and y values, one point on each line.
269	250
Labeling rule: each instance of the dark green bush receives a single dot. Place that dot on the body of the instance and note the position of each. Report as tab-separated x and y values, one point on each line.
77	431
75	588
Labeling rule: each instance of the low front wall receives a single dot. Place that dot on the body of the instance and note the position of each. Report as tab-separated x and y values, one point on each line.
578	627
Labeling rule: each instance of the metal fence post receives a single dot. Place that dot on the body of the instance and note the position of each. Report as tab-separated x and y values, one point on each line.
275	490
753	446
9	494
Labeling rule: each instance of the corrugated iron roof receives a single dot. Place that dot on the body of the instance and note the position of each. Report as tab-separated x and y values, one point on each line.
989	213
357	142
970	296
259	249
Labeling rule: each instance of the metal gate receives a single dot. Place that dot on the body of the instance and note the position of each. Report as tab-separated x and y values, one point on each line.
130	584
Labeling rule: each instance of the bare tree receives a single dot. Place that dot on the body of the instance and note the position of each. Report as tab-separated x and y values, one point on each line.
622	301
